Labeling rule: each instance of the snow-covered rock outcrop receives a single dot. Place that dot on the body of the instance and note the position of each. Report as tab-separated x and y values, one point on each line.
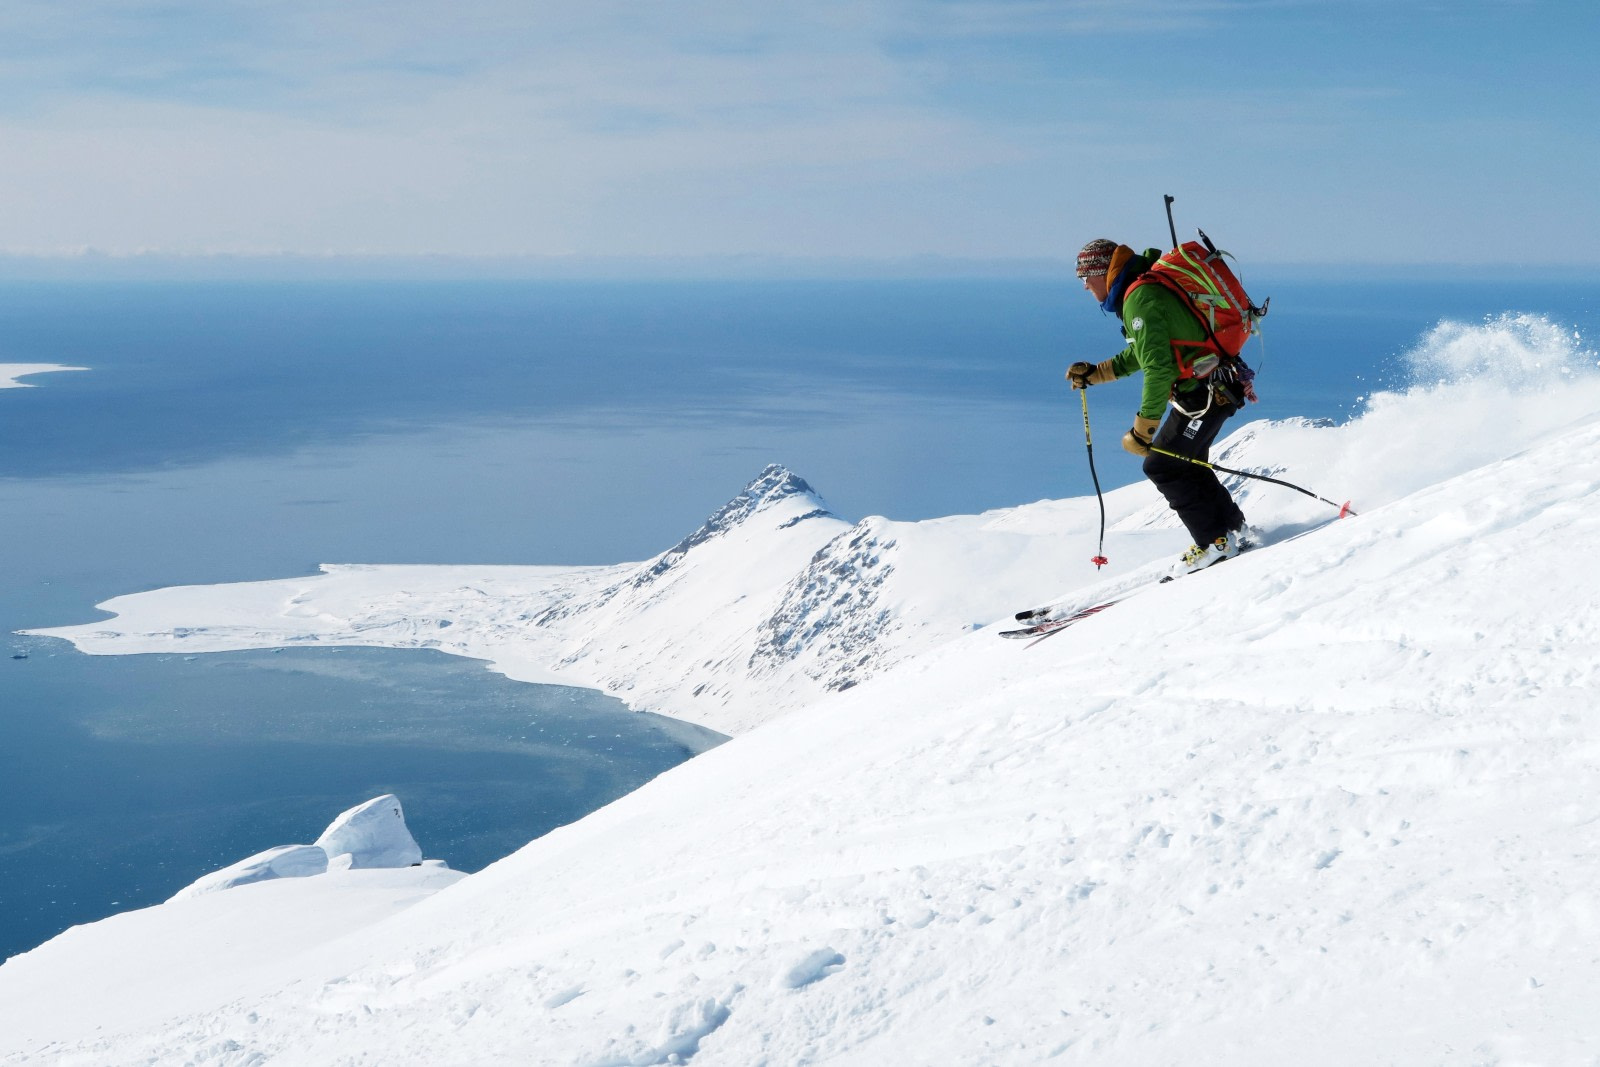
369	835
830	617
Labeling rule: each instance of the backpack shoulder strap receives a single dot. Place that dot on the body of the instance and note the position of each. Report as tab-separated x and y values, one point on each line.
1168	283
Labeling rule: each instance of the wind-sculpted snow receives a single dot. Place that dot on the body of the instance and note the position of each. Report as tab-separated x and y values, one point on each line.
1330	803
367	836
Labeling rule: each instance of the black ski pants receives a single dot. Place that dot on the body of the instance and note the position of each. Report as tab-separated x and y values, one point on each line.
1203	505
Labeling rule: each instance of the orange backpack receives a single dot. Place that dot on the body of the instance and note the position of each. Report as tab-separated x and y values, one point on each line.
1196	273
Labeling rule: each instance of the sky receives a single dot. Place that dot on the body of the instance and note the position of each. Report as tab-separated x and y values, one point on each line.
1304	131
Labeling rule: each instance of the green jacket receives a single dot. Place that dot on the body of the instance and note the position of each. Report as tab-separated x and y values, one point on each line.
1152	318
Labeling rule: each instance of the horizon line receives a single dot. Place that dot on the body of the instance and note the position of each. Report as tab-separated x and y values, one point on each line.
93	264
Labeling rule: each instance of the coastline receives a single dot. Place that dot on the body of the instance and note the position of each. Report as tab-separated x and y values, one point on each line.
12	373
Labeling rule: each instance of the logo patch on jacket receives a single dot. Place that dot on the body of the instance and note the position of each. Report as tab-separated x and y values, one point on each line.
1136	324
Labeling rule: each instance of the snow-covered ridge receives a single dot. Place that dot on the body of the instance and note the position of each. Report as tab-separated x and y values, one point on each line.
770	603
1330	803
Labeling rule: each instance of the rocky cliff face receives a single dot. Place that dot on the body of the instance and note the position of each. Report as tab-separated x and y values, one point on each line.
809	586
830	619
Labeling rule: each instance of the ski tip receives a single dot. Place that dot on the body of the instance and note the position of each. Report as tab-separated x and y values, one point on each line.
1345	510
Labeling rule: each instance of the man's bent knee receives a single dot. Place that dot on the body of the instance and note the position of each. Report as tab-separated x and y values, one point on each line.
1157	466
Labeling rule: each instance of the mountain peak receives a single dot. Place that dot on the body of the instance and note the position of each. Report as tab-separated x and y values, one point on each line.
775	483
781	499
773	486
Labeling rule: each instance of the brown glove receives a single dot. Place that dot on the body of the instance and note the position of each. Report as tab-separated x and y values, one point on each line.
1137	440
1082	374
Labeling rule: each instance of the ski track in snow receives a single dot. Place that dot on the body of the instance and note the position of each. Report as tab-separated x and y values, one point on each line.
1330	803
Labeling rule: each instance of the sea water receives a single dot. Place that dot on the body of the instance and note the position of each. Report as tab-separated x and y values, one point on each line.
235	431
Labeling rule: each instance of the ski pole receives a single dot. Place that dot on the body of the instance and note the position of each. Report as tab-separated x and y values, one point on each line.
1344	509
1171	228
1099	559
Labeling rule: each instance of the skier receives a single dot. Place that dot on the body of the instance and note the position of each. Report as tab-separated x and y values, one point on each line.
1152	319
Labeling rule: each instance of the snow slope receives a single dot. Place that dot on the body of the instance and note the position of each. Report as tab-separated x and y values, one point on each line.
189	956
1333	802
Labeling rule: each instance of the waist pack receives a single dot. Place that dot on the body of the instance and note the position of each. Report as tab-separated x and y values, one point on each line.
1197	273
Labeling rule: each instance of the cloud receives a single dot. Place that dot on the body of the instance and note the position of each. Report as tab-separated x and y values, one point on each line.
488	126
839	127
1011	18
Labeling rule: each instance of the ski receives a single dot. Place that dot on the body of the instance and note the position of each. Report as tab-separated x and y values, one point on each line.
1104	594
1049	623
1050	626
1049	619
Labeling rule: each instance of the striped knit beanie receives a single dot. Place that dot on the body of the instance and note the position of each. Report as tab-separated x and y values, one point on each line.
1095	259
